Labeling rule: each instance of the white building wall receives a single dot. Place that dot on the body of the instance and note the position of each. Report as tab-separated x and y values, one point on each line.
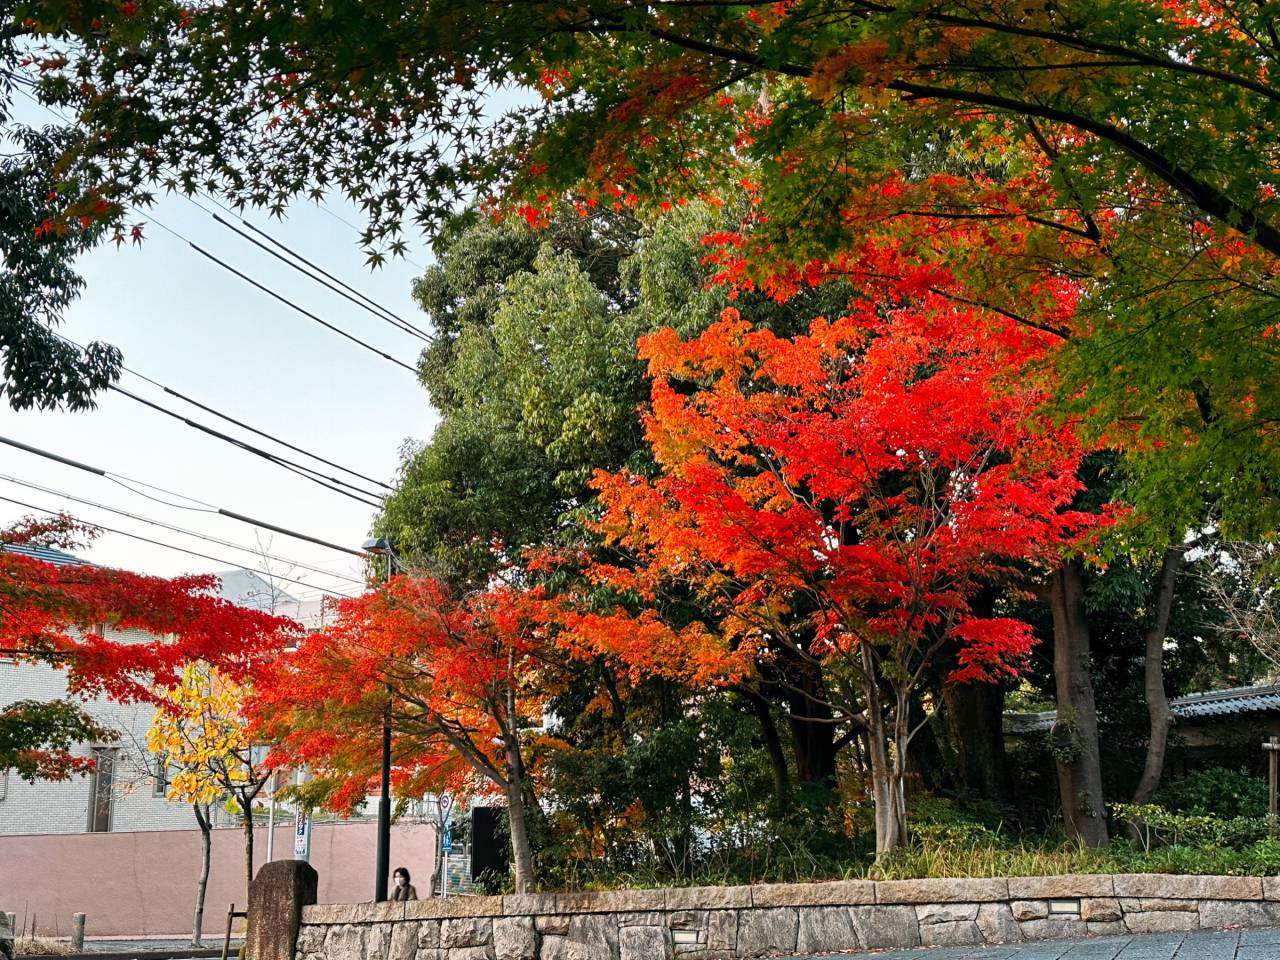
63	806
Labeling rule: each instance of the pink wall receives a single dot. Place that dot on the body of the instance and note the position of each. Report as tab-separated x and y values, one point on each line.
139	884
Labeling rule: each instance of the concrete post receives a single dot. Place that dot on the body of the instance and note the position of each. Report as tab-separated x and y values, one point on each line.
7	936
77	933
276	898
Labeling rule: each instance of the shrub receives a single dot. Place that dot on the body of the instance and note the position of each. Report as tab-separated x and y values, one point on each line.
1216	791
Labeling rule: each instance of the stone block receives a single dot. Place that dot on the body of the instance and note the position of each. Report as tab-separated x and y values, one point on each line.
1165	886
707	898
610	901
1130	905
881	927
428	934
1100	910
834	893
1066	887
440	908
528	904
997	924
826	929
962	933
1054	928
653	918
946	912
1238	913
514	938
404	940
277	896
644	943
335	913
553	926
464	953
1161	921
1106	928
562	948
1271	888
8	936
466	932
722	931
345	942
598	934
1029	909
681	920
377	940
310	939
942	891
768	931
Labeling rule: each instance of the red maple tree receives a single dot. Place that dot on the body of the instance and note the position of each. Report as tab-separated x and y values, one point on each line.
842	495
463	681
75	615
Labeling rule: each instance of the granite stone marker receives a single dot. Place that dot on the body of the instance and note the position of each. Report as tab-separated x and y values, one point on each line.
7	948
276	898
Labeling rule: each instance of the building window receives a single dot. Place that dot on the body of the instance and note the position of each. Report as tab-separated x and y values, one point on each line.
4	783
101	789
160	775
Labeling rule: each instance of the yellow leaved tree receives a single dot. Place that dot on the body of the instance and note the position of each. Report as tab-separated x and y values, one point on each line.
199	732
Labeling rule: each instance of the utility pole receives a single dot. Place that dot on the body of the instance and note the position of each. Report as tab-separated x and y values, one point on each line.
383	865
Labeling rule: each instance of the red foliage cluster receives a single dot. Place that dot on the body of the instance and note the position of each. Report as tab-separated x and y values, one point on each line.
60	613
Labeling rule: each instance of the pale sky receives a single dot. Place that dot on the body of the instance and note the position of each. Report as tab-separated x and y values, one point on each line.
187	323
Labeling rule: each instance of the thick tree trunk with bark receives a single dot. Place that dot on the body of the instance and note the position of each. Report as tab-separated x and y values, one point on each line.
975	712
1075	733
206	844
813	733
887	738
1157	697
521	850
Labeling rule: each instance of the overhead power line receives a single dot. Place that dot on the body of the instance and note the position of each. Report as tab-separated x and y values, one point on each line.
330	483
240	423
324	278
206	508
264	288
283	299
168	546
183	530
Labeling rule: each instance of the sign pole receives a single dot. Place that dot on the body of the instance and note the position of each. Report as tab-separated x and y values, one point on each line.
446	840
301	830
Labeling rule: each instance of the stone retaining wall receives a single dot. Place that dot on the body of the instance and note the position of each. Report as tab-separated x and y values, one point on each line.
701	923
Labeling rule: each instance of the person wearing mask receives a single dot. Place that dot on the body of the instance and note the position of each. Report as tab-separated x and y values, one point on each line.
404	889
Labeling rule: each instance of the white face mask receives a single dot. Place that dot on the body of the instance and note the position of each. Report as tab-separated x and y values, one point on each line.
401	881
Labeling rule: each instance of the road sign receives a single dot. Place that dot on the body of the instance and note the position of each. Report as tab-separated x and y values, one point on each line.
446	806
446	836
302	835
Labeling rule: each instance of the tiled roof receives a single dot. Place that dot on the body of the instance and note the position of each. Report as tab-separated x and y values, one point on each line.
47	554
1235	702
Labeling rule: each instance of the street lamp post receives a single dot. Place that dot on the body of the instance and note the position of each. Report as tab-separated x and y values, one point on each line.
383	867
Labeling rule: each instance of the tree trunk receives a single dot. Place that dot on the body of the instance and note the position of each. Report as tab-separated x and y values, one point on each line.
521	851
773	746
812	733
206	844
975	712
888	763
248	846
1075	732
1157	696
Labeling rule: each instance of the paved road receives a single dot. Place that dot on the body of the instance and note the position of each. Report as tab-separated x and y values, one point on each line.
1202	945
